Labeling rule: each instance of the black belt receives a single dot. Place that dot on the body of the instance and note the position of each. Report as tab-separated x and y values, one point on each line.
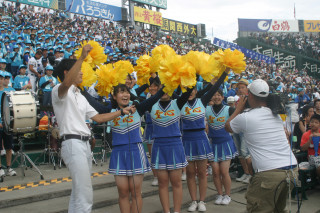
287	167
79	137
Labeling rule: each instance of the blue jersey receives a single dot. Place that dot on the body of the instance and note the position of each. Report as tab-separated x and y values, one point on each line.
217	123
166	121
8	89
1	93
193	117
48	87
126	129
20	81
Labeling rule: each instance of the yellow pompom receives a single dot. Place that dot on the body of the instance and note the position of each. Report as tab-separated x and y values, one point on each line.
89	76
235	60
109	76
158	54
176	72
200	61
123	68
96	56
143	70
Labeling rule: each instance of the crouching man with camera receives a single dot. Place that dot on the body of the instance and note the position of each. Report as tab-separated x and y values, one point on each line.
272	159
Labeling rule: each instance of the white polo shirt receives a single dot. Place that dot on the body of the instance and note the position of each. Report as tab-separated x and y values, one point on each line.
72	111
265	138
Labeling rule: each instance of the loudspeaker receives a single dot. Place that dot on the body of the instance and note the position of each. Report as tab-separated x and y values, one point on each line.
124	14
201	30
62	4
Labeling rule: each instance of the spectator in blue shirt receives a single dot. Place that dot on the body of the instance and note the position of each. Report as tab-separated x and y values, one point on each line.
232	91
302	99
21	81
46	83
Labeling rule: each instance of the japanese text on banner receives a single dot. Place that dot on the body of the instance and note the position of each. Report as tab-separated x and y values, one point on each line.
147	16
312	25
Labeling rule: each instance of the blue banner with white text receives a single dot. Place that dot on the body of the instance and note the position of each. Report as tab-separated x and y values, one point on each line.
94	9
248	53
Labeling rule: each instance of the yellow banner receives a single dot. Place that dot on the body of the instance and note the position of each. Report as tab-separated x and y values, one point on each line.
311	25
147	16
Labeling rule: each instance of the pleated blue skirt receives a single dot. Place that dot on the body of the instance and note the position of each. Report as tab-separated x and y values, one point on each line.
224	151
196	145
129	162
147	135
168	154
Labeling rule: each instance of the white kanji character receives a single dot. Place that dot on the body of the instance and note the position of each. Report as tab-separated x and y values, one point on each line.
257	48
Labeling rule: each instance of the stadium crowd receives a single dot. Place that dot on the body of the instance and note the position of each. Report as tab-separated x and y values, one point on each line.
302	43
33	43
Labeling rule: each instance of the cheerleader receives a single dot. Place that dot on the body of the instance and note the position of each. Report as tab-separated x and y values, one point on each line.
222	146
154	87
128	161
168	156
196	143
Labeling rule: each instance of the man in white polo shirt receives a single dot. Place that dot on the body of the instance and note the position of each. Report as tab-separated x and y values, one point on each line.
72	110
272	159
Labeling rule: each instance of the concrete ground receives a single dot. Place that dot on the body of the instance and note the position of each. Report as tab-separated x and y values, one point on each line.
30	194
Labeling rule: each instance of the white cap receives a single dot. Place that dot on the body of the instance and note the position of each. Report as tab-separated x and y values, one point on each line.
259	88
230	99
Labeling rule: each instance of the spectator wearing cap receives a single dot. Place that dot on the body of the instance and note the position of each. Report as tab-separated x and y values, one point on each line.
7	84
16	60
22	81
34	68
46	84
232	92
302	99
231	101
3	64
244	155
272	158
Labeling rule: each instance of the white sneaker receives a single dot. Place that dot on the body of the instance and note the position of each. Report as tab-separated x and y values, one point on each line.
202	206
155	182
193	206
240	179
226	200
12	152
3	152
183	177
218	200
2	173
209	170
247	179
11	172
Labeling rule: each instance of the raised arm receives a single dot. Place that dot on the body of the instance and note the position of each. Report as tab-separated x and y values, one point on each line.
207	97
73	73
182	100
147	104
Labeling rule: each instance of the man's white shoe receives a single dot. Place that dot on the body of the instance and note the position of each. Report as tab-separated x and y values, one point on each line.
247	179
193	206
183	176
155	182
202	206
11	172
226	200
240	179
218	200
2	173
